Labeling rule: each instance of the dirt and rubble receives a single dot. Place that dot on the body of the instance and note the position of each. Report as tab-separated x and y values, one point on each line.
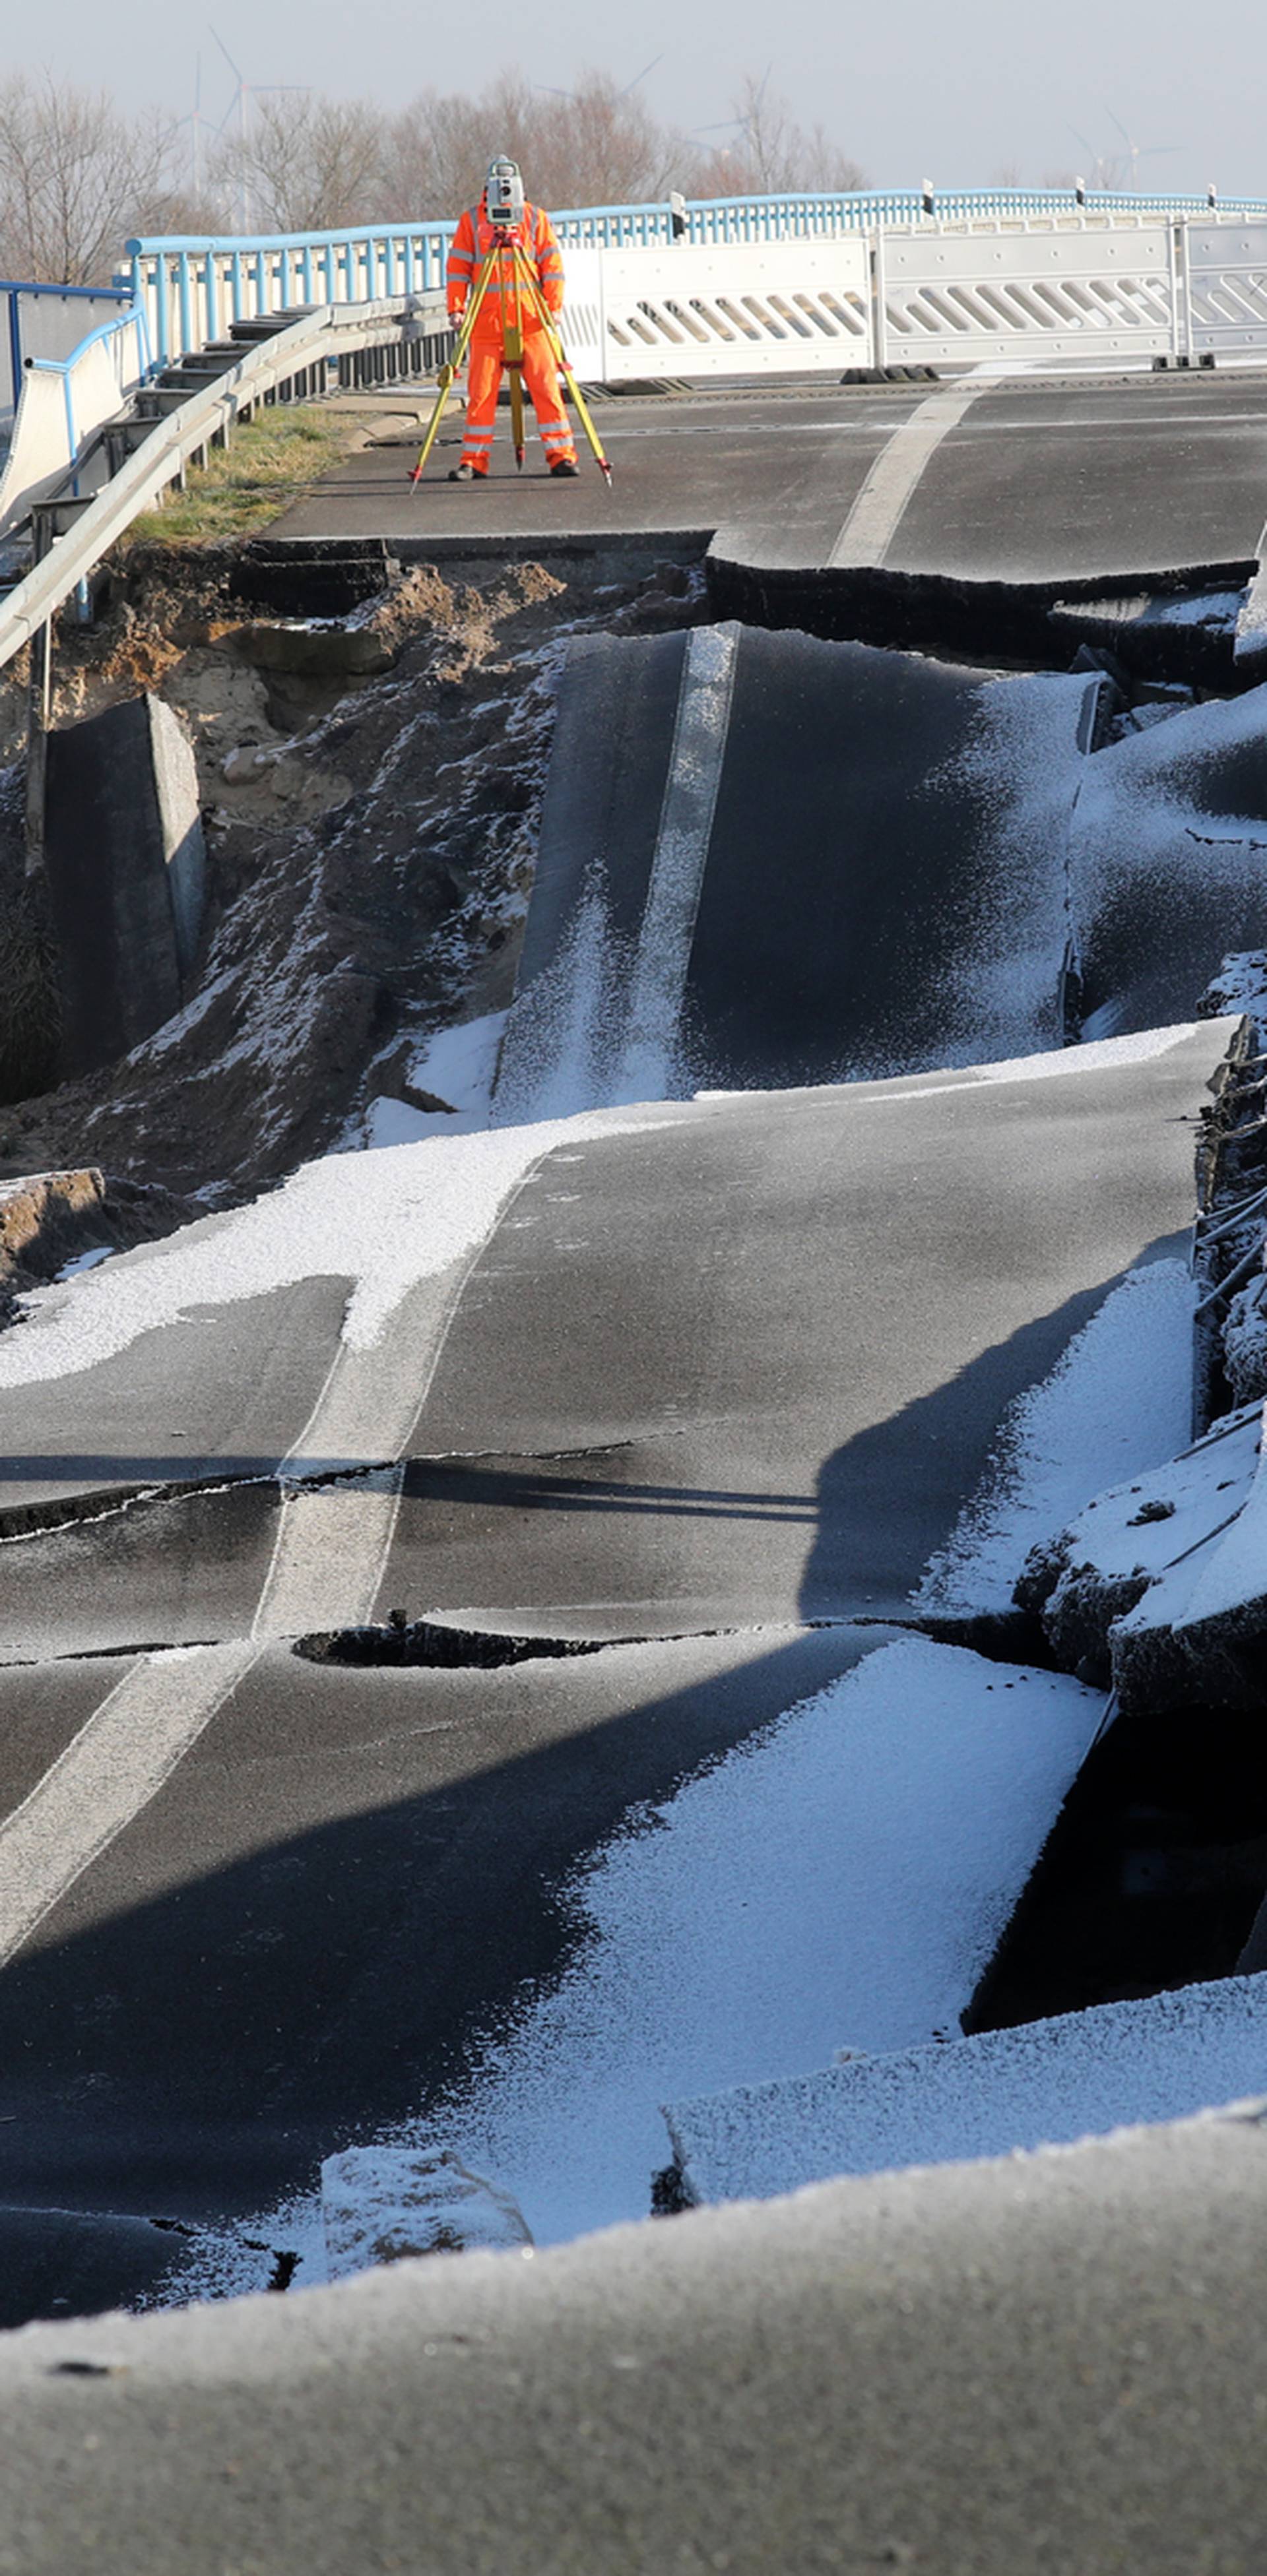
371	790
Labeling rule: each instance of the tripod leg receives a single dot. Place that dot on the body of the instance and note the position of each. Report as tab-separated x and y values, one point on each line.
546	318
454	365
513	352
582	413
517	414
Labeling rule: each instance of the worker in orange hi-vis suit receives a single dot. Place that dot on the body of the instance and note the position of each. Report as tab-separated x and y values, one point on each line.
507	321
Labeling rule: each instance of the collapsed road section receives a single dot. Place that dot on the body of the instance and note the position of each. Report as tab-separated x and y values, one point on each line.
768	859
271	1904
745	1413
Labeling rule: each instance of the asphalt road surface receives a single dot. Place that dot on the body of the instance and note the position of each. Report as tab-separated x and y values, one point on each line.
1025	479
766	859
701	1378
705	1379
938	2370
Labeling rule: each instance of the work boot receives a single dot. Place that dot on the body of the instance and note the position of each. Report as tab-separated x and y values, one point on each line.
468	474
563	465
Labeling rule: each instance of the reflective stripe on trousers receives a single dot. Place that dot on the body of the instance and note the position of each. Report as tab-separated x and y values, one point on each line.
541	378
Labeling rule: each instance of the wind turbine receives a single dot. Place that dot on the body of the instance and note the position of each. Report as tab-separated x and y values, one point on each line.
1096	162
626	92
740	124
1139	151
196	123
749	126
247	90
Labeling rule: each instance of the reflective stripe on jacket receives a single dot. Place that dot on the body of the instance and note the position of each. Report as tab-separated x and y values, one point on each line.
471	244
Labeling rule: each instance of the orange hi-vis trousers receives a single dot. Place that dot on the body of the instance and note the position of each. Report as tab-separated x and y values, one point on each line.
541	377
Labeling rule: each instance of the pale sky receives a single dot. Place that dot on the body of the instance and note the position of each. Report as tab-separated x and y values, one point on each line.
964	92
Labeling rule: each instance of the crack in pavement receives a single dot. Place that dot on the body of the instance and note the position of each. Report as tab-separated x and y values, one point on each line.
21	1522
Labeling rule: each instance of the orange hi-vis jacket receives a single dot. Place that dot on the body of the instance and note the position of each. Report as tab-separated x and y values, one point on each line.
503	300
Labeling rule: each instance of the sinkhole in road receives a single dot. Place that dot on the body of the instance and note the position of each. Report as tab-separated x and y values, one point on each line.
401	1641
1154	1872
1151	1878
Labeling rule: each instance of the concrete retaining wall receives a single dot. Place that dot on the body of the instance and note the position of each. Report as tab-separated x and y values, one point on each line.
126	869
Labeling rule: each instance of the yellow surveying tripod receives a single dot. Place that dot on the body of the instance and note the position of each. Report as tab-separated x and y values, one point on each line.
527	290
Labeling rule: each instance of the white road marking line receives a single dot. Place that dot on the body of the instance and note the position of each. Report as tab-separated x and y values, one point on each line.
327	1563
333	1540
681	855
111	1769
328	1557
872	524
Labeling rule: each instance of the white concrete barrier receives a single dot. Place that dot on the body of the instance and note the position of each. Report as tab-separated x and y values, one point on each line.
63	404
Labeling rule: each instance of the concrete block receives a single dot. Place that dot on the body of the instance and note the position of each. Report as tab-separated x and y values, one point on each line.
380	2204
126	869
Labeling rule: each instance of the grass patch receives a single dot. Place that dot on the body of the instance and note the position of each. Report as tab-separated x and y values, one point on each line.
284	449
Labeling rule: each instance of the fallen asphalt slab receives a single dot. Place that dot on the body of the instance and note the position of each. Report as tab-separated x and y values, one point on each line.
973	2368
767	860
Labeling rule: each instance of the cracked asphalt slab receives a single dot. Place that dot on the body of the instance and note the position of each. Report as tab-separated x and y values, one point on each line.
607	1437
1054	2357
349	1874
227	1389
805	1314
251	1904
1040	480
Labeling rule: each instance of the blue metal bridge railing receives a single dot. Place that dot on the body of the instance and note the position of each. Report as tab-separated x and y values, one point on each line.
195	287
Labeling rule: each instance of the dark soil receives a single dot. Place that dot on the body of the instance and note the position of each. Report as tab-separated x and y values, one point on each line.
371	841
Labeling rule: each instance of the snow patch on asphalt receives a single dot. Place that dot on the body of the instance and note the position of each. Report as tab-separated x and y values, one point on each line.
561	1049
1098	1056
1158	849
1118	1402
844	1877
1022	766
382	1220
1050	2083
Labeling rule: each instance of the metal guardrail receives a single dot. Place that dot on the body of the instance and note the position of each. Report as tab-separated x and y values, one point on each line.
266	369
195	286
196	289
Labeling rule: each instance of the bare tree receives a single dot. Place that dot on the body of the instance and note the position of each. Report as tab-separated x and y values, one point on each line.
771	152
305	163
600	145
594	145
436	152
75	174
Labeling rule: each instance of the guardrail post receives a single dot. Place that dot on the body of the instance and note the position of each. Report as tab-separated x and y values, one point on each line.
186	311
39	708
15	347
879	308
1183	245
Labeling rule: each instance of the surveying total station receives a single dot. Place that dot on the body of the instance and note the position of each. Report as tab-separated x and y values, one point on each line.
507	271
